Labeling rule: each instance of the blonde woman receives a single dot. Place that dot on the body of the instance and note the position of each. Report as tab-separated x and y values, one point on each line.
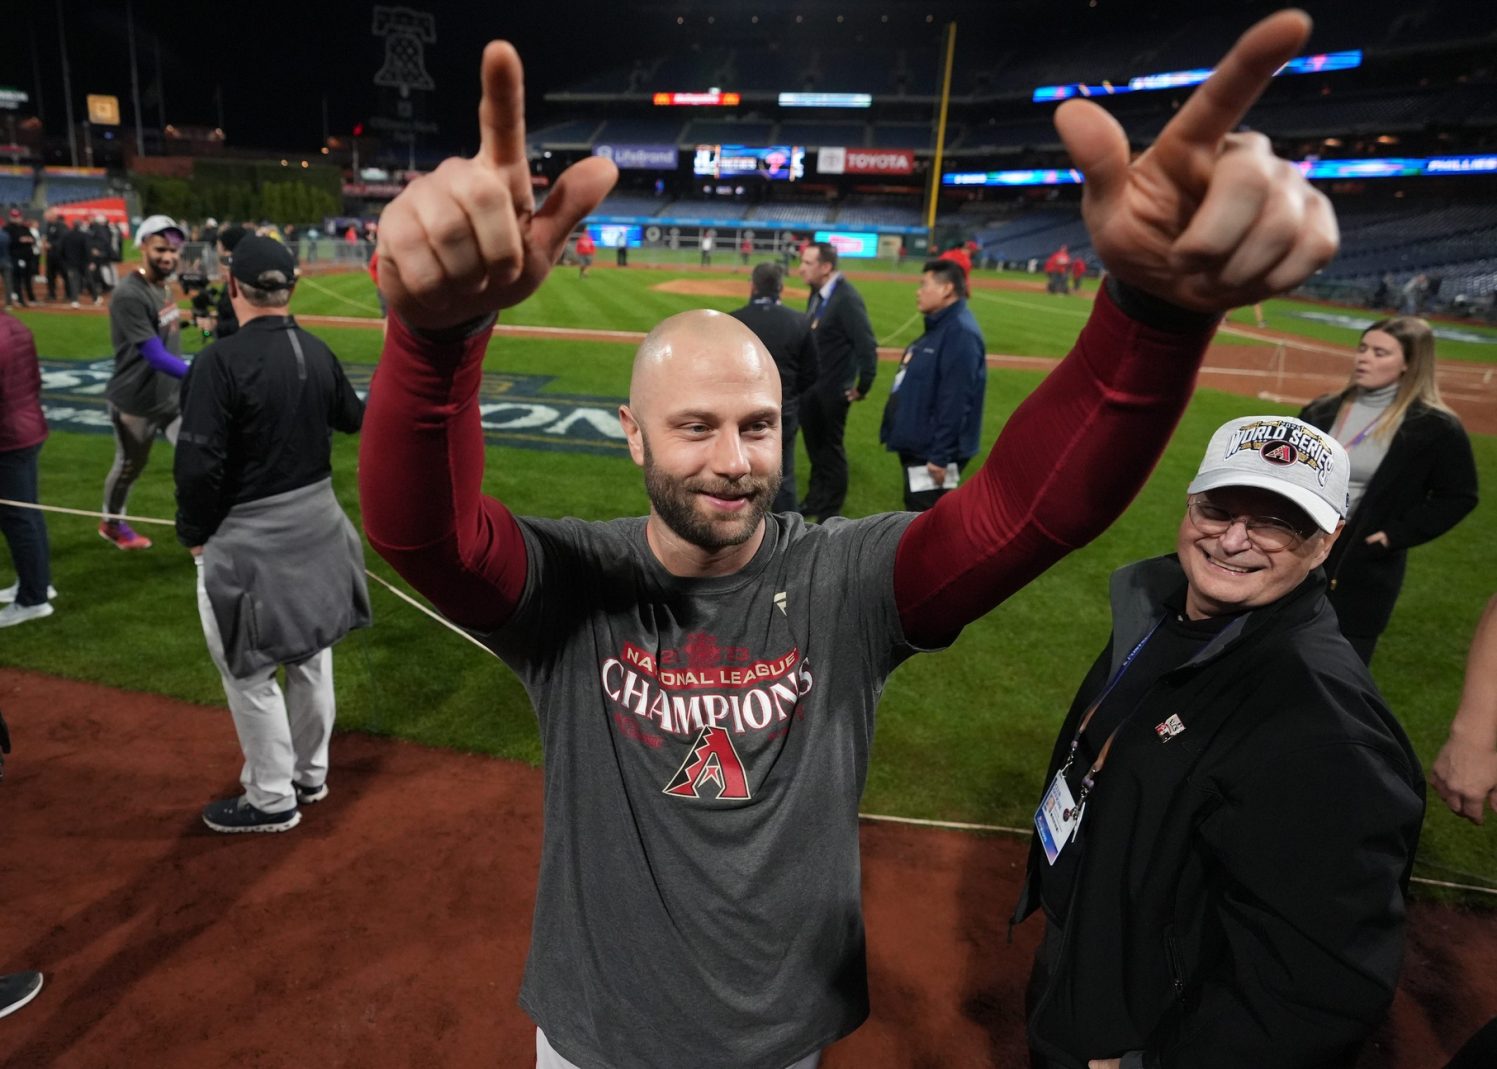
1413	476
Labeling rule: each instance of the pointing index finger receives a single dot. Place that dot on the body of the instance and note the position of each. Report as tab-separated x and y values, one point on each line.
501	113
1217	107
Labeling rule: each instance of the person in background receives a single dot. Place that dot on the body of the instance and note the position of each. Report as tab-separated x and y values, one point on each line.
256	508
787	335
145	328
23	429
1078	272
225	322
706	248
1465	772
745	250
7	269
77	262
1058	271
1223	852
54	228
1413	476
1465	777
959	255
586	250
933	418
22	257
847	359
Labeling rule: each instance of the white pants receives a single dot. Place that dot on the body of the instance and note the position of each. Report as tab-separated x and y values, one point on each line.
284	739
547	1058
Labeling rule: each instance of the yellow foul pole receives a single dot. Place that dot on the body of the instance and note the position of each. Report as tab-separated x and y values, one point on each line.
935	168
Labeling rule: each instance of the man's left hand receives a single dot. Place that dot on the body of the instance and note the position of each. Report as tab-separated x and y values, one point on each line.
1105	1063
196	551
1378	538
1207	218
937	473
854	394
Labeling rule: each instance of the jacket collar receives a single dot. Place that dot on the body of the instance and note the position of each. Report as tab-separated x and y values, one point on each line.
945	315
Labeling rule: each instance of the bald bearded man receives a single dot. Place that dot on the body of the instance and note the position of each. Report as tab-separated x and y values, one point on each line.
705	677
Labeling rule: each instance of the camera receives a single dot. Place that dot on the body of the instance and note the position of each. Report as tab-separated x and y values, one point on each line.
203	295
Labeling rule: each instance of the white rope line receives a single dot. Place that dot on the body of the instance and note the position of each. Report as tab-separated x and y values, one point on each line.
1455	886
172	523
448	624
897	331
883	818
949	825
96	515
306	281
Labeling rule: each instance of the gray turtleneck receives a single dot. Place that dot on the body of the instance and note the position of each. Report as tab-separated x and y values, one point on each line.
1367	408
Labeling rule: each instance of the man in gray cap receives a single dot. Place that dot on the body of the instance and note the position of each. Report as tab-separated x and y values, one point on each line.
145	328
280	569
1230	815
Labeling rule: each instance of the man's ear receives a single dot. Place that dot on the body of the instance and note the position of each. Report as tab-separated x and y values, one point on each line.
233	287
1325	547
634	433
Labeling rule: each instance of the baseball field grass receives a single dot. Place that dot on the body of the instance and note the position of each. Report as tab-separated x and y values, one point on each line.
963	735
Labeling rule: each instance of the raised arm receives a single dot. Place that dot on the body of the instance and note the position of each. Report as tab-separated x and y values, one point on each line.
1465	772
1204	221
455	248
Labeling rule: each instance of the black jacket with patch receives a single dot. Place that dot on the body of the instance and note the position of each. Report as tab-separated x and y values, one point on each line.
1239	899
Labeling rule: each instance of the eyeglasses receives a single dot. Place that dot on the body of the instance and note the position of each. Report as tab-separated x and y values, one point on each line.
1268	533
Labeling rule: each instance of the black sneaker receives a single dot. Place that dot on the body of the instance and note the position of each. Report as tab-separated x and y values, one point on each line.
17	989
308	795
234	815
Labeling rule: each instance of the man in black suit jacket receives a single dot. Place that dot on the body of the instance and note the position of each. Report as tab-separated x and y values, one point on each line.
848	356
787	335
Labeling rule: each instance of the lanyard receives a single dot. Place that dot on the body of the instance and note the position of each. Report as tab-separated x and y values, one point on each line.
1089	780
1341	426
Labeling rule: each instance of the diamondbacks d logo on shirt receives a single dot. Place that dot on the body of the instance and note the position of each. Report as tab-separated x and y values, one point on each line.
730	702
713	762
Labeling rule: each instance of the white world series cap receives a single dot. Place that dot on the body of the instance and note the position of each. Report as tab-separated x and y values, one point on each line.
1284	455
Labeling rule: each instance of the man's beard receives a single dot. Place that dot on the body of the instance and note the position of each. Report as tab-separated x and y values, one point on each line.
675	503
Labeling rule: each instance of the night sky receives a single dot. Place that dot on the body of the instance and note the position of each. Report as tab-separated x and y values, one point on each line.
276	61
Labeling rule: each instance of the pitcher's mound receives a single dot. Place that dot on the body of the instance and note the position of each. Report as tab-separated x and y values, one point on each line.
705	287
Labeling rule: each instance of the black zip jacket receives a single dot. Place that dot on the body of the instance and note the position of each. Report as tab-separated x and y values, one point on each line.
1239	898
1424	487
258	414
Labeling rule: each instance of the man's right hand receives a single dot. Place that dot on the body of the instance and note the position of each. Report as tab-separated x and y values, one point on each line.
465	241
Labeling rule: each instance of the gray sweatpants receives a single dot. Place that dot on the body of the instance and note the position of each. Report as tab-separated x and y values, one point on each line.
133	436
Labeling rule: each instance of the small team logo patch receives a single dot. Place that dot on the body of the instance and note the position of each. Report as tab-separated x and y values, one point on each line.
1279	453
1170	728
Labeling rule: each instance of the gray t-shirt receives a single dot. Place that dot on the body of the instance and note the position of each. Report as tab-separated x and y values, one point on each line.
138	312
706	746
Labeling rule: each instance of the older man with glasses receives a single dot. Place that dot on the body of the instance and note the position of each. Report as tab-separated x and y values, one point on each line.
1230	814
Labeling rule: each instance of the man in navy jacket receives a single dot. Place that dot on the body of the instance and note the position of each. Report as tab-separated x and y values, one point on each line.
933	419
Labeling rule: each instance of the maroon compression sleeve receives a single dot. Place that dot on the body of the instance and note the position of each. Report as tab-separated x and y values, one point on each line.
1066	465
421	459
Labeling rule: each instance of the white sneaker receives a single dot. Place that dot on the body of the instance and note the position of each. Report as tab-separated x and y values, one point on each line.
10	593
73	305
14	614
